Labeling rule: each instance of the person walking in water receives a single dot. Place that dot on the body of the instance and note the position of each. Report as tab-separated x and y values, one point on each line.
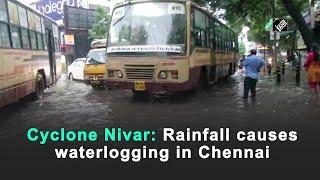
252	65
312	66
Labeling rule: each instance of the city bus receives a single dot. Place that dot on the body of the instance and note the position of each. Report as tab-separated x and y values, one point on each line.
95	66
29	52
170	46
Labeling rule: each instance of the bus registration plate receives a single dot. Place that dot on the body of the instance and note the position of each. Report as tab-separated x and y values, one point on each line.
139	86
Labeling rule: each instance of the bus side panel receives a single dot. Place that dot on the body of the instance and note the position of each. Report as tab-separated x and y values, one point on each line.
41	65
2	81
200	57
18	73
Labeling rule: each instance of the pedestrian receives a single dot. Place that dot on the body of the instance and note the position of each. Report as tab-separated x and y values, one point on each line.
241	61
252	64
312	66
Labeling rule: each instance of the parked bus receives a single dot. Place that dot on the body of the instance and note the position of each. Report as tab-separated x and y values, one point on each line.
168	46
95	65
29	52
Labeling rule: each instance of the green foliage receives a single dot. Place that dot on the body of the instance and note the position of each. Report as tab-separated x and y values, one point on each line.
254	14
242	49
100	28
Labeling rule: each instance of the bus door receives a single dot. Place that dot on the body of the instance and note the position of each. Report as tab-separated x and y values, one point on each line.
51	50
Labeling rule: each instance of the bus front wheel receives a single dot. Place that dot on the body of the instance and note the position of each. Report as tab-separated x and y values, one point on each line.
203	81
39	91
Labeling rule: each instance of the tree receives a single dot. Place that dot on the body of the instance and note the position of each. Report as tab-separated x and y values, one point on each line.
242	49
100	28
256	13
294	12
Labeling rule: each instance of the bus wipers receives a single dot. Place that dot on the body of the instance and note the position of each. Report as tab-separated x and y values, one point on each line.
125	13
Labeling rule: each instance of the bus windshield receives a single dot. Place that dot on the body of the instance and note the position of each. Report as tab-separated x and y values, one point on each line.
96	57
148	27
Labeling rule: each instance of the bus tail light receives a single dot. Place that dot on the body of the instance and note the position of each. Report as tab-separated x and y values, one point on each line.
174	75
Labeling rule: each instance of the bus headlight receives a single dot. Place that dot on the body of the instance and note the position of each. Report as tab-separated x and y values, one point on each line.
270	60
119	74
163	75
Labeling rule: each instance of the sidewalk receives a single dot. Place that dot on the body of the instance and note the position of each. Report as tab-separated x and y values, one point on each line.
287	90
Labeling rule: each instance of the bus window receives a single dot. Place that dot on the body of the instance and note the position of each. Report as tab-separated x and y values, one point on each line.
200	26
38	23
40	41
13	13
3	11
212	39
4	27
42	26
25	38
33	40
45	42
23	17
56	45
4	35
15	36
31	21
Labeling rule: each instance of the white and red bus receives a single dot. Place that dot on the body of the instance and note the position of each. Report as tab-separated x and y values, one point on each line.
29	52
168	46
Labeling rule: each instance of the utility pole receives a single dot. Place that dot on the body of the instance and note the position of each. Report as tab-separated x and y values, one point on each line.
311	4
278	69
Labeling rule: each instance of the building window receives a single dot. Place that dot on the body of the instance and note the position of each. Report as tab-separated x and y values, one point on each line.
4	35
25	39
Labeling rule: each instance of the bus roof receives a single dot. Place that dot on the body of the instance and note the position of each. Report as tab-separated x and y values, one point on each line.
99	43
27	7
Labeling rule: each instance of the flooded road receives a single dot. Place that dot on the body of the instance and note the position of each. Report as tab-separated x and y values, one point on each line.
75	106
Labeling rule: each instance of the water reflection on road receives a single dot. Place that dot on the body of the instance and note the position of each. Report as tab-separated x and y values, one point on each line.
75	105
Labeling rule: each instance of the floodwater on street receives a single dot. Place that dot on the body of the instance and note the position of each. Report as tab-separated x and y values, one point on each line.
76	105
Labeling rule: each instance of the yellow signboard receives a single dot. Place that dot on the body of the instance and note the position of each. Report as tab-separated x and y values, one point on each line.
68	39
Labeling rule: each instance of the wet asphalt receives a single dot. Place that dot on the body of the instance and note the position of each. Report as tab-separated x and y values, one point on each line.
76	106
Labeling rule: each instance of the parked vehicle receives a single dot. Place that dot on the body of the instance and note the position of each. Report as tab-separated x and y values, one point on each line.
30	58
76	69
95	65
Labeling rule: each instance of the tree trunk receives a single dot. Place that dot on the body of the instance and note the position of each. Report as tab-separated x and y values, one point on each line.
296	15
